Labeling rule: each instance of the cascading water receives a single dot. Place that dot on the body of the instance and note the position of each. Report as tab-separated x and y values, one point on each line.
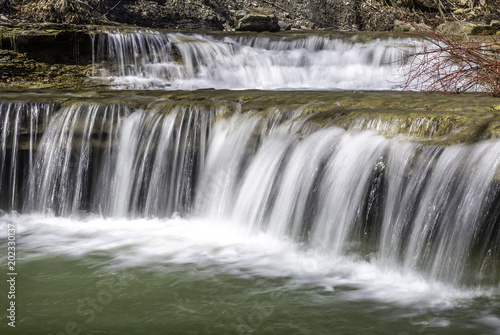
178	61
215	211
338	191
342	192
110	160
21	127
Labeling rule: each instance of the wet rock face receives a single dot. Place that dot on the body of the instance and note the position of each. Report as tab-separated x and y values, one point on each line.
64	47
17	71
430	119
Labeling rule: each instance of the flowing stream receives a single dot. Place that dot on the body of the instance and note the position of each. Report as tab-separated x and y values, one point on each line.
179	61
228	212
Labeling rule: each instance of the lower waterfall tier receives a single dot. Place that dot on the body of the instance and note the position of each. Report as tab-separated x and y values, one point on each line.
413	179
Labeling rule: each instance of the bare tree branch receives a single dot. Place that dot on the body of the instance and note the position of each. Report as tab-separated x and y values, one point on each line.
454	64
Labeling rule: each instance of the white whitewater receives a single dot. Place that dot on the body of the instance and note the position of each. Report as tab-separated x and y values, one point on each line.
418	208
60	179
152	60
255	194
422	209
13	116
117	162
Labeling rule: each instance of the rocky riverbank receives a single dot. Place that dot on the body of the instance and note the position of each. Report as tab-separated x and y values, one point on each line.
366	15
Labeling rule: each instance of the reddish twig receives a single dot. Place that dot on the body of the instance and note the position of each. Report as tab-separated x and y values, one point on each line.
453	64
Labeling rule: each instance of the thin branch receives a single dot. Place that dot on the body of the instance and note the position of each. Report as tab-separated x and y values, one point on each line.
448	64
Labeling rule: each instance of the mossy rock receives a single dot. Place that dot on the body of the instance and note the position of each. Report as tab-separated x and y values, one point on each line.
431	119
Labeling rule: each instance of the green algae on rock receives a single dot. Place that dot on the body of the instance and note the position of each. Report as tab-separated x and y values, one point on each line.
427	118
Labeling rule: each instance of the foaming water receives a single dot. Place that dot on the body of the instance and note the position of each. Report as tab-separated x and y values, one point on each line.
415	207
223	247
255	193
177	61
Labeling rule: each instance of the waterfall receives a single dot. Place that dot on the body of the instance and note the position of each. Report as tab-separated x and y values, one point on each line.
157	159
118	162
233	182
402	202
62	178
145	59
423	207
21	126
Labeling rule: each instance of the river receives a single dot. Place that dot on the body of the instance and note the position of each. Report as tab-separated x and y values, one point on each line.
239	184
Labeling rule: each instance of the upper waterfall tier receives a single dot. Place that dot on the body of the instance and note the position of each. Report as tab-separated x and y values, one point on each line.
146	59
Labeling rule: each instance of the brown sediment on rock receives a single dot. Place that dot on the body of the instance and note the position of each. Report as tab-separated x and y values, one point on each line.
430	119
17	71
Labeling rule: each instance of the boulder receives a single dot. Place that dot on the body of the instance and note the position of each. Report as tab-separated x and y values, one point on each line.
284	25
423	27
241	14
401	26
457	28
258	19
